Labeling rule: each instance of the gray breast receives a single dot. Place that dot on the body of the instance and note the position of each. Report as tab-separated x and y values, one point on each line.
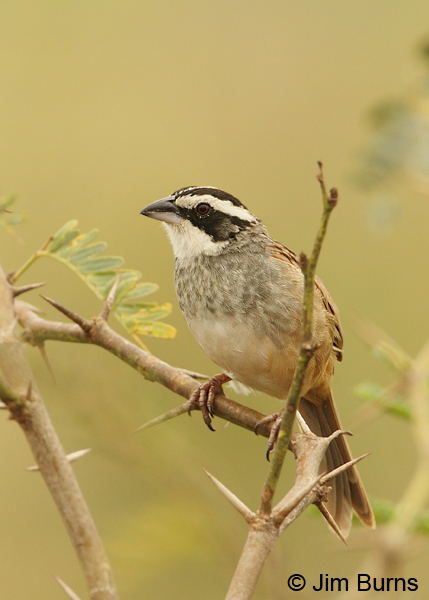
239	312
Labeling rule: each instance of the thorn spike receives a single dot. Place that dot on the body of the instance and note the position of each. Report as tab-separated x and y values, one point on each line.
245	512
332	474
329	518
16	291
84	324
42	348
70	593
110	299
171	414
70	457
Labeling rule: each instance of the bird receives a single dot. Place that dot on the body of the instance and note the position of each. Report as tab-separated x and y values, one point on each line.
241	294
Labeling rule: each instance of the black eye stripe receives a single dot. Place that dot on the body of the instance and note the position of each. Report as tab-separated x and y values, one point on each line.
215	223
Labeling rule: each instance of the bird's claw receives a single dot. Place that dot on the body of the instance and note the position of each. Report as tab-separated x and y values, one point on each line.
276	420
204	396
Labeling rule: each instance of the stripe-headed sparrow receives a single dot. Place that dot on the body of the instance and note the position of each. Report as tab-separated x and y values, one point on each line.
241	295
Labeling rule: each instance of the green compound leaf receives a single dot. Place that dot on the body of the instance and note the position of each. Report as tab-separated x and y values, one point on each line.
81	253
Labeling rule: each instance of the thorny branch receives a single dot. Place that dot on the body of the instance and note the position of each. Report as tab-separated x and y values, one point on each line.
19	391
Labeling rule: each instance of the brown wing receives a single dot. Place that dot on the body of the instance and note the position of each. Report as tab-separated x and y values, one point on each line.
282	253
331	307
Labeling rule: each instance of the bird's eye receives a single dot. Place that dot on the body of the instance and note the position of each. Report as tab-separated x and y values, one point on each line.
203	208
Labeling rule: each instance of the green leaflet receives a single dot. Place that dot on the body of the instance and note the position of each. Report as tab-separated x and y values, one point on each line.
61	237
156	329
102	281
98	265
65	245
88	251
131	309
140	290
139	319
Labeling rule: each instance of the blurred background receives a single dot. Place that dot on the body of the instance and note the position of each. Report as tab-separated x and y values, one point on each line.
107	106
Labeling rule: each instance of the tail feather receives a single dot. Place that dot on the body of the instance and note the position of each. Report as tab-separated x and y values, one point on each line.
347	494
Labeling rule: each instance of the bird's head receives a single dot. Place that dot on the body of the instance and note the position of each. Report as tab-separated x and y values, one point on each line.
201	220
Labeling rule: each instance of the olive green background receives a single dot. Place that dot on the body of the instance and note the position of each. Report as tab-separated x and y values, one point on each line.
107	106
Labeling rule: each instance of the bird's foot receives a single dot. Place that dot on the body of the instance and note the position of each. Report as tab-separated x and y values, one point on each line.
276	420
204	396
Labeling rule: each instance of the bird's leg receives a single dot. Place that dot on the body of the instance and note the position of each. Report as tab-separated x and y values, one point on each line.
204	397
276	420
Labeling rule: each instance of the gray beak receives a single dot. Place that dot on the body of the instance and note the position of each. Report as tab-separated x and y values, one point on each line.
163	210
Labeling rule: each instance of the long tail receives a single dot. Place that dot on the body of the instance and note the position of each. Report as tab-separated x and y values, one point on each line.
347	494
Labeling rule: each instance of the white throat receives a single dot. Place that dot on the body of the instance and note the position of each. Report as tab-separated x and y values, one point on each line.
188	241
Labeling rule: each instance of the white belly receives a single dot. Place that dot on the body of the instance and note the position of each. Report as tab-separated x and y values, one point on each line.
247	357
